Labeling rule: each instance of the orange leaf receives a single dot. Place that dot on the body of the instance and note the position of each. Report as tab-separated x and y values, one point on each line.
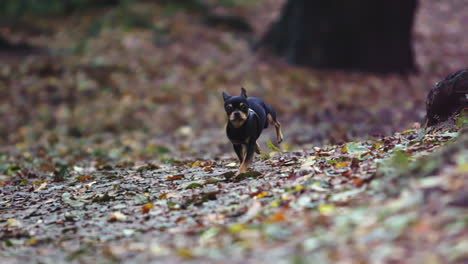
83	178
175	177
359	181
347	173
146	208
278	217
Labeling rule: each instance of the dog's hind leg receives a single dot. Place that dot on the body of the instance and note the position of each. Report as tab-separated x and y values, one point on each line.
274	122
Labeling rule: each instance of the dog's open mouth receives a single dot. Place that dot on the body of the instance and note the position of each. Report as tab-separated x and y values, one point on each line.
237	118
237	122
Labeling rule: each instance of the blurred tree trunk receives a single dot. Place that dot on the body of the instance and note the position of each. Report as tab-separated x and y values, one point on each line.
365	35
17	48
4	44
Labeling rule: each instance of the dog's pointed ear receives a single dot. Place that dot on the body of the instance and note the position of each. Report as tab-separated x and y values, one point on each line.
243	92
226	96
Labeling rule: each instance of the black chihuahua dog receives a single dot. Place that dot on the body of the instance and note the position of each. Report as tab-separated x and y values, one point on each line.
248	116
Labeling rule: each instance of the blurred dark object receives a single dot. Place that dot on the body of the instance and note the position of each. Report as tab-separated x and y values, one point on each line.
447	97
17	8
17	48
232	22
368	35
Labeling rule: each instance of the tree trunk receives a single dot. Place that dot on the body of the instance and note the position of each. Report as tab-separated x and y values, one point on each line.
5	45
366	35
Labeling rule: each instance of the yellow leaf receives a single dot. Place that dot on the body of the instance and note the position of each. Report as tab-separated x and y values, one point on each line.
326	209
407	131
261	195
237	228
273	153
344	149
462	168
276	203
378	144
297	188
185	253
343	164
271	146
287	146
31	241
196	164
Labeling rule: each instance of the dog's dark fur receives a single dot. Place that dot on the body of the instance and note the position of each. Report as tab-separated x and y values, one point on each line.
248	116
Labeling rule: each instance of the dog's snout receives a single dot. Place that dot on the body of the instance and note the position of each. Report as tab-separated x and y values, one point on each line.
237	114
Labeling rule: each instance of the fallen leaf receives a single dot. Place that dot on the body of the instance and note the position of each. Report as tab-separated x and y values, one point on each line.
278	217
261	195
194	185
326	209
196	164
117	216
271	146
343	164
146	208
41	187
231	165
175	177
83	178
185	253
237	228
13	223
208	169
355	148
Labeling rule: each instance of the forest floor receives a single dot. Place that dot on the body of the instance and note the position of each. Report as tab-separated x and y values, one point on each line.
113	150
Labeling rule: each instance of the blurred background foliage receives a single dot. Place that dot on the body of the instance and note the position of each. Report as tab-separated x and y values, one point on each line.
19	8
154	70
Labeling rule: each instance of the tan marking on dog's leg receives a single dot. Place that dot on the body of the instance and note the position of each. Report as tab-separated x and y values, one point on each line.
257	148
245	165
279	133
242	168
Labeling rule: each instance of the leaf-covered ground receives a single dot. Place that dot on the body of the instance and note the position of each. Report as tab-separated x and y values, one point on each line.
395	199
112	147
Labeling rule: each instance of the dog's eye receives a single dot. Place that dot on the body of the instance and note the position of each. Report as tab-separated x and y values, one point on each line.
244	107
228	108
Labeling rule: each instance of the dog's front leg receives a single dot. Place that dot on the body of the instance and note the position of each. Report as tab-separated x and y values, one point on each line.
247	158
239	151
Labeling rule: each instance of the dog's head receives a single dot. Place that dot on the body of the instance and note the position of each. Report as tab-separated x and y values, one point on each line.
237	108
